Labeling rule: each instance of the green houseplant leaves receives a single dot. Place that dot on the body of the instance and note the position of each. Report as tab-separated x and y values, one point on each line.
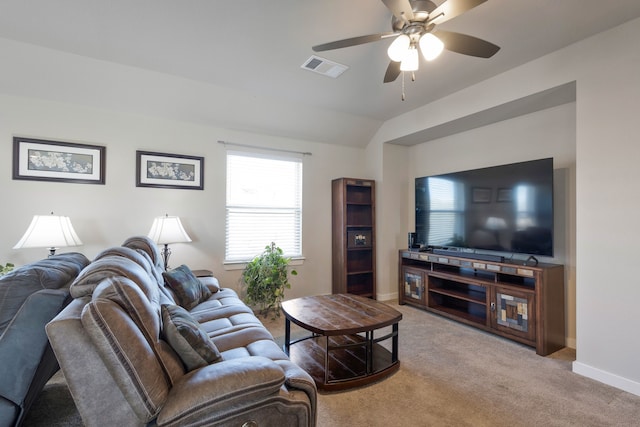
266	277
4	269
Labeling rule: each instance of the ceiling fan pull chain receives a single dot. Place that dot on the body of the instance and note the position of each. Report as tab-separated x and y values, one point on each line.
403	85
413	76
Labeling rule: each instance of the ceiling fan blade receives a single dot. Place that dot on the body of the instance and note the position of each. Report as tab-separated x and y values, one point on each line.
401	9
353	41
392	73
452	8
467	45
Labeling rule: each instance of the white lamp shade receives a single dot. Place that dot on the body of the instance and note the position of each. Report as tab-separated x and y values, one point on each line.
410	60
430	46
495	223
168	229
49	231
398	49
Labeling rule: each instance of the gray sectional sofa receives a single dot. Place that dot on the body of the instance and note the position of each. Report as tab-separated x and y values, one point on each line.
143	347
30	297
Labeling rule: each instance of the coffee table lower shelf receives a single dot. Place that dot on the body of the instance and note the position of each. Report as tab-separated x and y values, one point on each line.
346	365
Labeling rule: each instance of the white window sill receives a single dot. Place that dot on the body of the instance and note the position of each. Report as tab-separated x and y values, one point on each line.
240	265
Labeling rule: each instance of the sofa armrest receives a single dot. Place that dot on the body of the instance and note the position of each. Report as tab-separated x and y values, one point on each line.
297	378
211	283
24	342
210	391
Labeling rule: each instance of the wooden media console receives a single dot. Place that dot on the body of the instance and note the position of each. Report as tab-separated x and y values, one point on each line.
518	301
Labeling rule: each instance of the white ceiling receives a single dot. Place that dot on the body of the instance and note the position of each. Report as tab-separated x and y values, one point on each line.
255	49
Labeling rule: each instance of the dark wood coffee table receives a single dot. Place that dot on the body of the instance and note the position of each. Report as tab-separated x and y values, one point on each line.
342	351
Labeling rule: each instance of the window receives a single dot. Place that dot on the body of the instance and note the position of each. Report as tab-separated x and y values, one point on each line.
264	204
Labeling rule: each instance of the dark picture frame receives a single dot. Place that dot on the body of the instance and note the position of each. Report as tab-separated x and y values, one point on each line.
504	195
481	195
58	161
164	170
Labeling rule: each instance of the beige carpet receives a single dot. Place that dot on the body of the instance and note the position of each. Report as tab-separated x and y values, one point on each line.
450	375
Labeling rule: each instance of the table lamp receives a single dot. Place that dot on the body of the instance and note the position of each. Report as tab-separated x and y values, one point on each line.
168	229
49	231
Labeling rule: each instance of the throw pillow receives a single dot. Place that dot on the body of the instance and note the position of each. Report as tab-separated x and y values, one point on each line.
187	338
189	291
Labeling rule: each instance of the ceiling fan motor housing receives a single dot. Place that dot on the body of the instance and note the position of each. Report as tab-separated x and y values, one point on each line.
421	10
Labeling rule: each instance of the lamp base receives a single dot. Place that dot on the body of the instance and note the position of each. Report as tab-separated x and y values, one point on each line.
166	252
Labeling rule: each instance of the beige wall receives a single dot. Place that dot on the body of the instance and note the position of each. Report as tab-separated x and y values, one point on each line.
105	215
606	69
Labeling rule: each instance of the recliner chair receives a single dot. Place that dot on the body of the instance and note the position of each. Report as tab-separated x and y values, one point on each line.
30	297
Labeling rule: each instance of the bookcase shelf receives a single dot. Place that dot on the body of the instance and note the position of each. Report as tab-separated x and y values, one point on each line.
520	302
353	236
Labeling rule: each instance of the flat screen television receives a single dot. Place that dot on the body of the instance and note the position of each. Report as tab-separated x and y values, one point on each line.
506	208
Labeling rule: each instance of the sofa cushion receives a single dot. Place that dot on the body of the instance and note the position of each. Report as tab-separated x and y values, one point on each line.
188	290
213	394
145	244
104	268
128	357
140	302
139	256
50	273
188	338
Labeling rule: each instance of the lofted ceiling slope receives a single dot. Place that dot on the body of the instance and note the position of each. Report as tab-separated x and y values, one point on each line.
249	53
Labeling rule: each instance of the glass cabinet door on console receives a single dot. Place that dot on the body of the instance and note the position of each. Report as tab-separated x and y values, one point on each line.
414	285
513	312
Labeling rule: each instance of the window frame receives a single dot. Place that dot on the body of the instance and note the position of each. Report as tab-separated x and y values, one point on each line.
296	209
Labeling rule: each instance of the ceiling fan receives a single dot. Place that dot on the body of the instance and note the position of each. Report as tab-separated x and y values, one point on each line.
413	24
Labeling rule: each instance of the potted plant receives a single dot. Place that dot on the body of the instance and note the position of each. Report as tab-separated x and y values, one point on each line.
266	277
4	269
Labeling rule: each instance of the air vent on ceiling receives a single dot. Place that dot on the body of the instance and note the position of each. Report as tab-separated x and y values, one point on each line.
324	66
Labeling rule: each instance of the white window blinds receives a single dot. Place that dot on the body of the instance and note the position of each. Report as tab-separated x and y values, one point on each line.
264	205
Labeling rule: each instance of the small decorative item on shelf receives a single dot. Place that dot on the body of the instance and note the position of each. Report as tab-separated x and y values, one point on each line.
359	239
266	278
4	269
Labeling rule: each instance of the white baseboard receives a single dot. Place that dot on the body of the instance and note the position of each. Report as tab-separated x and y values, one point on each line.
387	297
607	378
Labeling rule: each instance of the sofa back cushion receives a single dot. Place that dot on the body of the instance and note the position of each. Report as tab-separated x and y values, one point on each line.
125	327
106	267
138	256
51	273
139	301
145	244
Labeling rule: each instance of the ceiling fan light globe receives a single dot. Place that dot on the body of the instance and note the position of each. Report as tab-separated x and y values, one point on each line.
430	46
398	49
410	60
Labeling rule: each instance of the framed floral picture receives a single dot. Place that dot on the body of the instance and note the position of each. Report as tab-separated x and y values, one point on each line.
42	160
504	195
480	195
162	170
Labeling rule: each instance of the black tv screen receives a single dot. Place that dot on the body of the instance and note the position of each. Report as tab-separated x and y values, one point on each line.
506	208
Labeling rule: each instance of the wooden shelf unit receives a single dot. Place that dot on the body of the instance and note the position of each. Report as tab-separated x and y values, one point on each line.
521	302
353	236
